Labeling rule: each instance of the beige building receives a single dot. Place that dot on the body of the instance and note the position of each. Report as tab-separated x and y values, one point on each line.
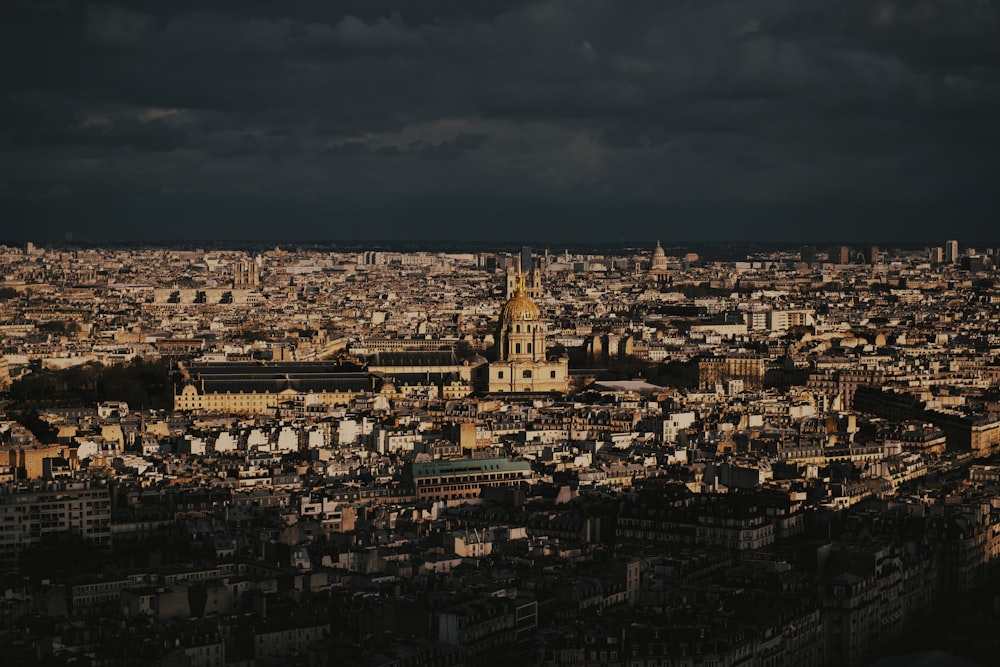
246	274
28	461
415	372
715	370
178	297
521	340
256	388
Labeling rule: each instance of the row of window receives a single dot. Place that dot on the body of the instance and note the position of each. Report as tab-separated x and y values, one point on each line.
526	374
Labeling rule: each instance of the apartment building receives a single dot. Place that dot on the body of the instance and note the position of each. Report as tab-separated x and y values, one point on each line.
30	512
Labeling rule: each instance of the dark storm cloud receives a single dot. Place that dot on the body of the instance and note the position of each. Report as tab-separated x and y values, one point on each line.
389	151
449	149
64	130
244	146
810	118
116	27
347	148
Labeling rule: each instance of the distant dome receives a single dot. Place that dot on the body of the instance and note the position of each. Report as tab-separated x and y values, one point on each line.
659	262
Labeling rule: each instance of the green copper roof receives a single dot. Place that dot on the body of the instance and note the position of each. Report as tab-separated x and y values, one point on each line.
468	466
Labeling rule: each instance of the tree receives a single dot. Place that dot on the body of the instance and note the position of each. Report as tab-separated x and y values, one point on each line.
139	383
57	327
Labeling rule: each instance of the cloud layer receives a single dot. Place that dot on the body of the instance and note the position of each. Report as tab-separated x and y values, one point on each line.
550	120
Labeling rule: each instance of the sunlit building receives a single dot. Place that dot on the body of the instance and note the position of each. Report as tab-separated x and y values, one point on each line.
521	364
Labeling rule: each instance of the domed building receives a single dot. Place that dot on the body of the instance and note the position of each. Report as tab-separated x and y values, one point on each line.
658	271
521	363
659	262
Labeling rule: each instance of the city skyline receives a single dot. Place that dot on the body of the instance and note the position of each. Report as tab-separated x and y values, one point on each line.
936	252
220	454
494	121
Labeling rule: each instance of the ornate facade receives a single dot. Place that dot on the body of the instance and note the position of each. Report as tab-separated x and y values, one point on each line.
521	364
532	282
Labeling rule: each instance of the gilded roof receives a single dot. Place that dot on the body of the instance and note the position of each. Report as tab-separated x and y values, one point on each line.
520	307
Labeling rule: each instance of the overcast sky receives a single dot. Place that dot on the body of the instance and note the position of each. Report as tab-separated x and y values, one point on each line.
500	120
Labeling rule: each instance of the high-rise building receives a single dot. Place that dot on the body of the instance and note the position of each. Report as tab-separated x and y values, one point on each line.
839	254
807	254
527	260
486	261
871	254
951	251
936	255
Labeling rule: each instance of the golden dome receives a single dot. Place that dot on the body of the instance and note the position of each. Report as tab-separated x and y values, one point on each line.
520	307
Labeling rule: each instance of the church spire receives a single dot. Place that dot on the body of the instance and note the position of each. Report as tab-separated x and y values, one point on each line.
520	286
